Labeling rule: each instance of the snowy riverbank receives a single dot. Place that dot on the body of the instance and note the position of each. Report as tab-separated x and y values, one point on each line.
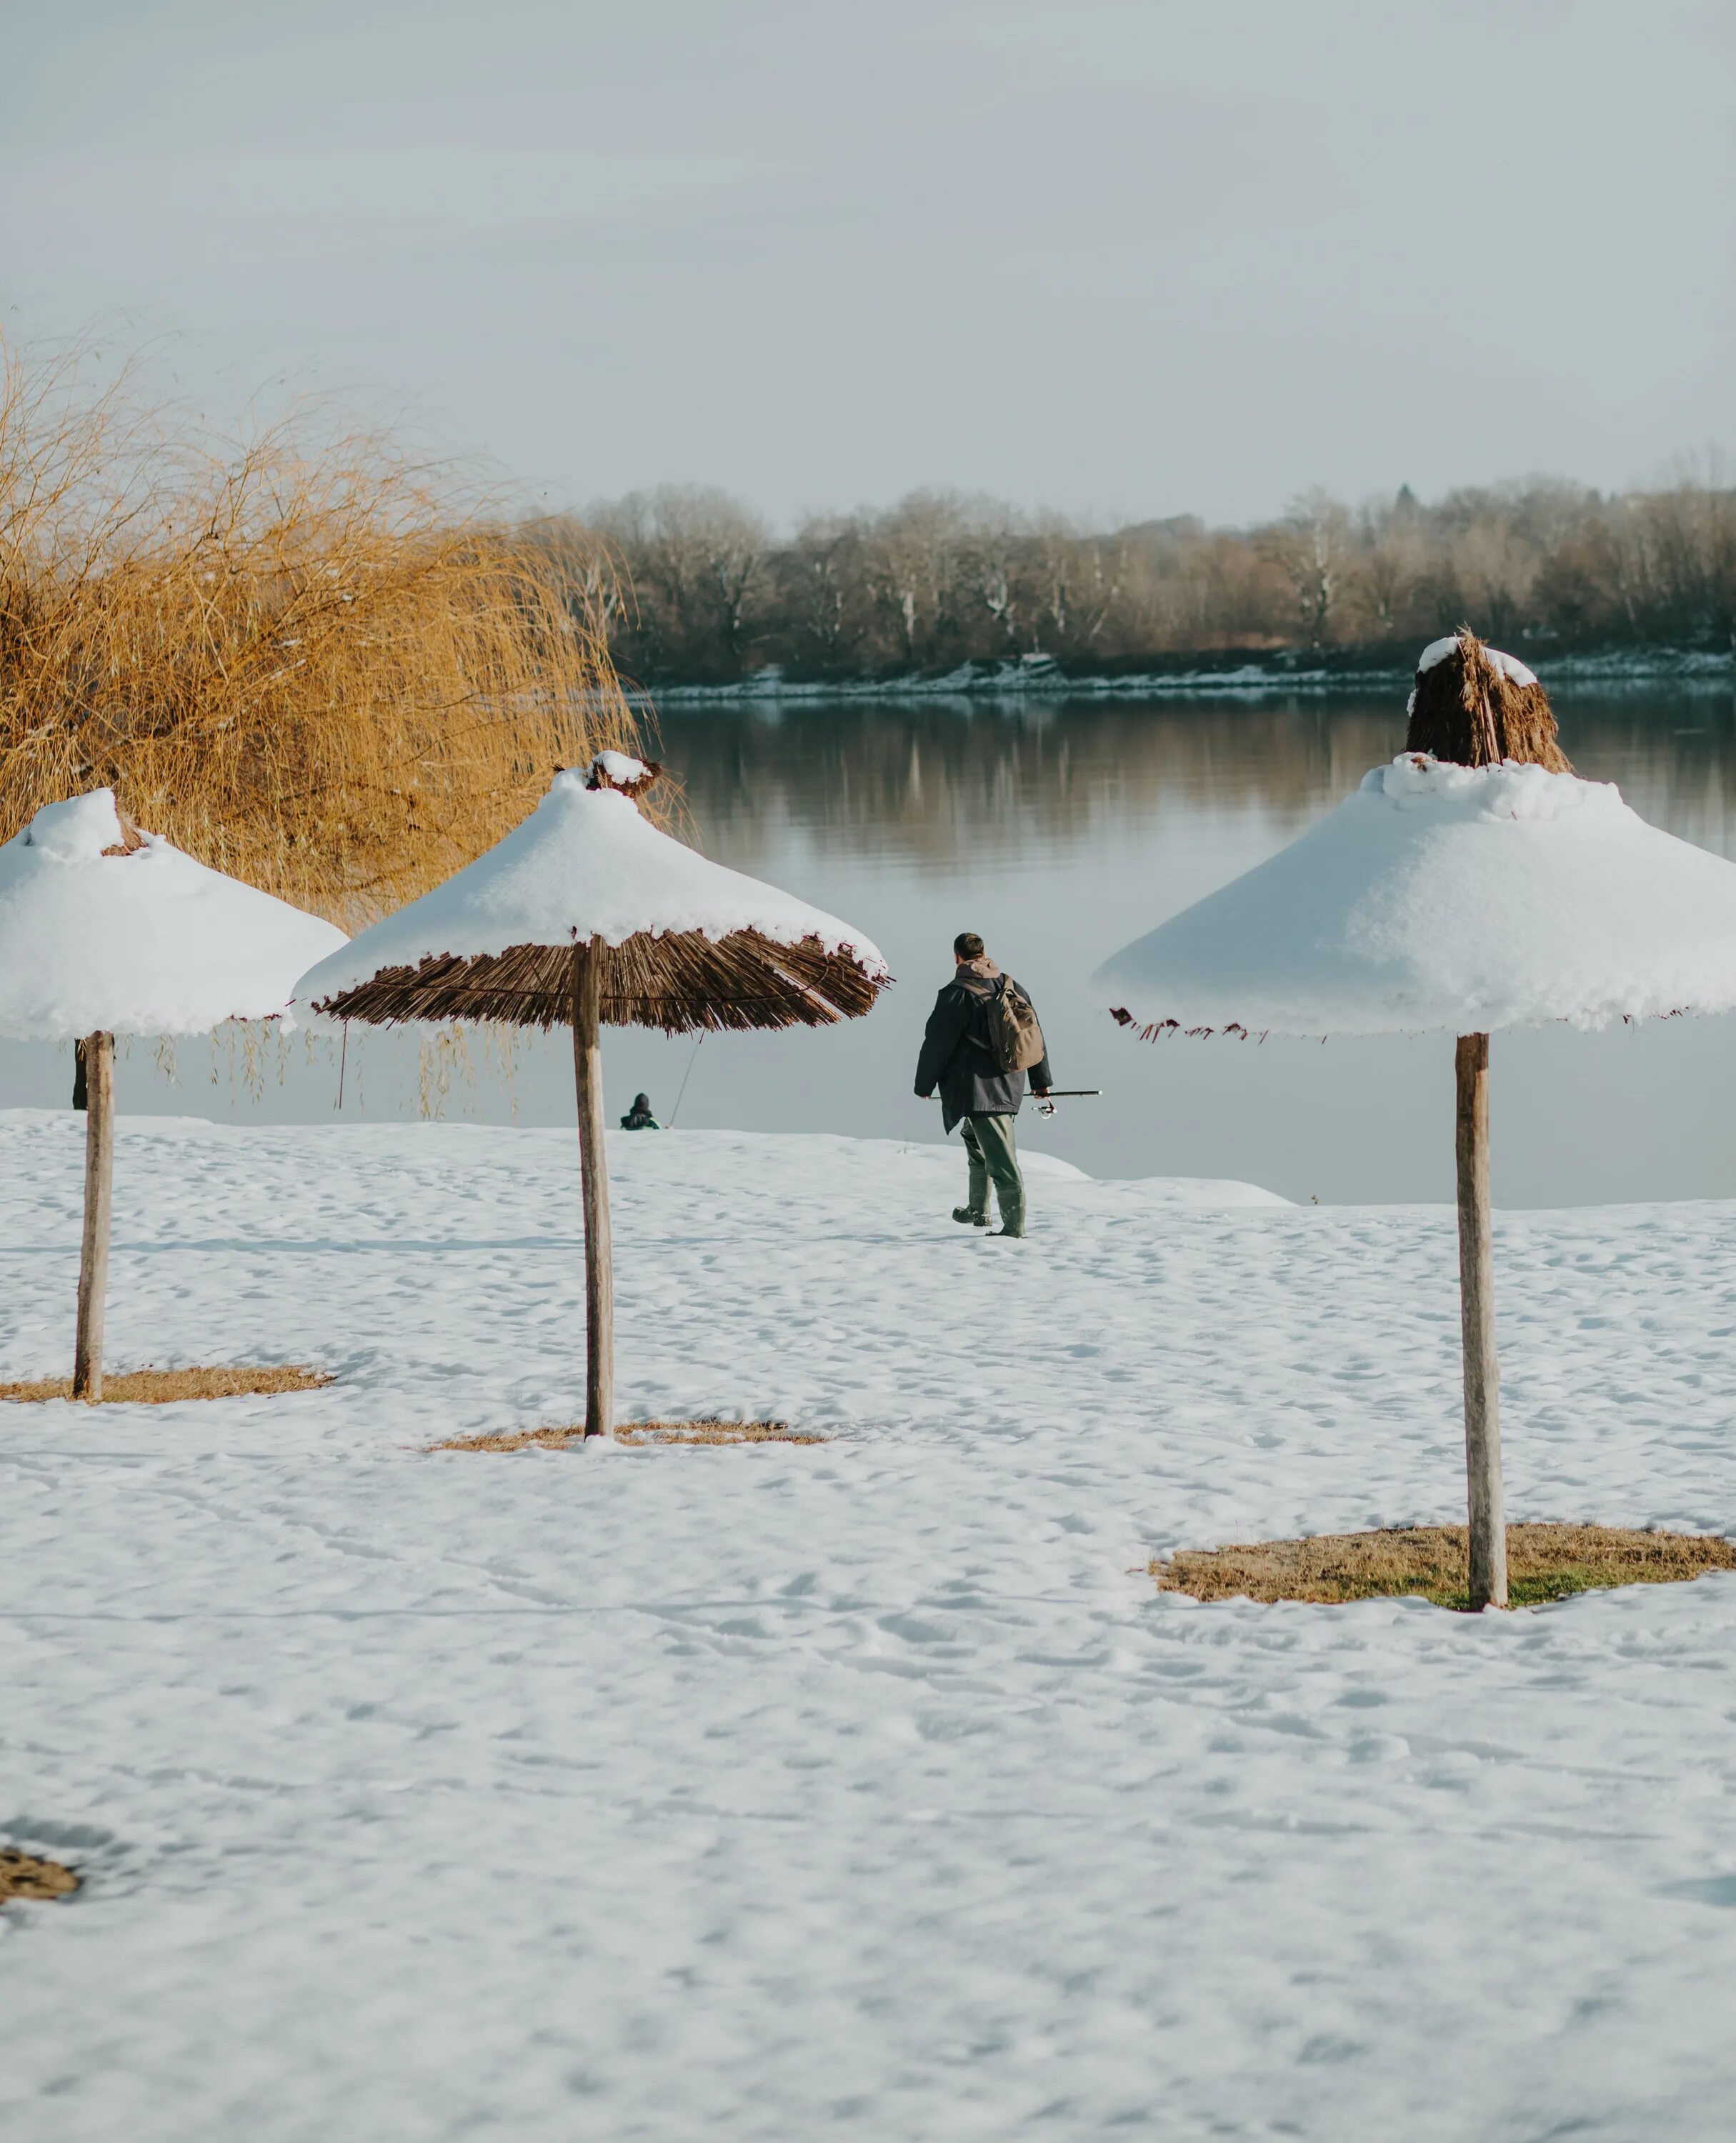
867	1789
1355	671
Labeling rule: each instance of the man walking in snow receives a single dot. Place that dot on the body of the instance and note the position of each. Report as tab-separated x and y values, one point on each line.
981	1042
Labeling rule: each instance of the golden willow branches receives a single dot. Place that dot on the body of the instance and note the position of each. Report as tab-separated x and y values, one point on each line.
304	658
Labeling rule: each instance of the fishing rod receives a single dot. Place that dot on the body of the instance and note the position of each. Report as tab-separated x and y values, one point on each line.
1058	1094
686	1076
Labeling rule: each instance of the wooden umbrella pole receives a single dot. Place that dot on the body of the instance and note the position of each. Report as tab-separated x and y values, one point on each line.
588	1059
1476	1305
99	1175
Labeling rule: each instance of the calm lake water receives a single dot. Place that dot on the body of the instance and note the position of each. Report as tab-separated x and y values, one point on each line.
1060	831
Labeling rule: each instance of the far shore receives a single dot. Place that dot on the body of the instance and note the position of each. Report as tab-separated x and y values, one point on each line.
1236	673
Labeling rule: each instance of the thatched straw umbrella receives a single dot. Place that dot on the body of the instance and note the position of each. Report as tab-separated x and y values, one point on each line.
1491	889
106	930
587	916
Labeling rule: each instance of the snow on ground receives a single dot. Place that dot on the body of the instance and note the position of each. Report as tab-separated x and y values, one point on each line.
867	1789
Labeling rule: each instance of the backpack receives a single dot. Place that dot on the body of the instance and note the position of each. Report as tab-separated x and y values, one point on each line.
1015	1039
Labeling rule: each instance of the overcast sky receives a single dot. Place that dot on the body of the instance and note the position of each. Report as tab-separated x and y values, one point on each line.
1124	257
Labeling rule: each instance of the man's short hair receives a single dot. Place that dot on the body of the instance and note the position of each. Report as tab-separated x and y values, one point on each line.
967	946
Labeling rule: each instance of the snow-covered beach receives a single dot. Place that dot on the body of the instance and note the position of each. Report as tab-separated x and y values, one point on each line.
864	1789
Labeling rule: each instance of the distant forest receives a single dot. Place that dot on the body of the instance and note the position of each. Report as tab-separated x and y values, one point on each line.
696	589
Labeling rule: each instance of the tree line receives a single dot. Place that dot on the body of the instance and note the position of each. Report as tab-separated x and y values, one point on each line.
695	588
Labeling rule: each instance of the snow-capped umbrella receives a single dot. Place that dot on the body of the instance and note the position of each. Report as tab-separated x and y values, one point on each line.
586	916
1497	892
106	930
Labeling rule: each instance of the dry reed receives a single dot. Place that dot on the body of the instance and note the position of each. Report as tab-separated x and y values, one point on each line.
302	656
639	1432
1544	1562
25	1875
164	1387
1466	711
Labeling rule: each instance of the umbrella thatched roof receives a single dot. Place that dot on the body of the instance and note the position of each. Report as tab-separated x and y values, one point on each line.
106	929
1469	896
1476	706
681	942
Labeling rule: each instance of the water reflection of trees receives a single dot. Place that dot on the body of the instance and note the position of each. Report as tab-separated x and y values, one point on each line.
1673	754
923	780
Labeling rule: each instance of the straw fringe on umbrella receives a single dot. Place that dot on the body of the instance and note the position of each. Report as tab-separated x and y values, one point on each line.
683	984
587	916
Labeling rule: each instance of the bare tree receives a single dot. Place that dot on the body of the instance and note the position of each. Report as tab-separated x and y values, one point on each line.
914	557
1392	554
821	576
699	559
995	559
1311	546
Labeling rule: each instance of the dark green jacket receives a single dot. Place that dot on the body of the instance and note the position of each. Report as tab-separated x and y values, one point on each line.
956	1058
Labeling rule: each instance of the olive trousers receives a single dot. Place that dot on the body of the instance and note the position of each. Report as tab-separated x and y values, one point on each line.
993	1154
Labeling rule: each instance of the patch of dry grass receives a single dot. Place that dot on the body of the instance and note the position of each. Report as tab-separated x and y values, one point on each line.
1544	1562
160	1387
23	1875
639	1432
715	1432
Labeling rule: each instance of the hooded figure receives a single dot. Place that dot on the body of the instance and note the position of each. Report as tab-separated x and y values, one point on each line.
638	1117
